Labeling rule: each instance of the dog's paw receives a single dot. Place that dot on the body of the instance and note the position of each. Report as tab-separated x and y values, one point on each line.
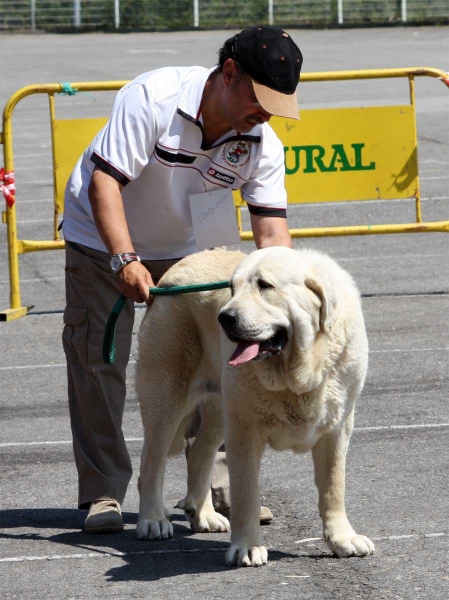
204	521
355	545
154	530
209	522
242	556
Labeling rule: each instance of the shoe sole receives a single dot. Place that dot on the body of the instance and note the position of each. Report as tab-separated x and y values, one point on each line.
104	530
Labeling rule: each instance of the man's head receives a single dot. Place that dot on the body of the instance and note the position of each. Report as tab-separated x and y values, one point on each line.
273	61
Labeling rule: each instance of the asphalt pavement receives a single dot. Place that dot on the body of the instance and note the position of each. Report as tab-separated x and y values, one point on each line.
397	469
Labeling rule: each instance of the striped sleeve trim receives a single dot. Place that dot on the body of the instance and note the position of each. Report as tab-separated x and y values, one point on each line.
174	157
264	211
102	164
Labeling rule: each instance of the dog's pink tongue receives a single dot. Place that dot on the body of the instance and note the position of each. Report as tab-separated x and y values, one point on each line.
244	352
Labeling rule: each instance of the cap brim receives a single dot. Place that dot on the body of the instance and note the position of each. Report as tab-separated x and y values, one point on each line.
276	103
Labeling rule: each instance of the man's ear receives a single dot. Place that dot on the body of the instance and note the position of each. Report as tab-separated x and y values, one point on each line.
328	302
229	70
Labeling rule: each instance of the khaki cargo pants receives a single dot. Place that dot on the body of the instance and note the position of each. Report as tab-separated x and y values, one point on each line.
97	391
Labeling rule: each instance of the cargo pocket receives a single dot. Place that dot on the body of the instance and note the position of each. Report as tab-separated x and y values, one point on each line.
74	336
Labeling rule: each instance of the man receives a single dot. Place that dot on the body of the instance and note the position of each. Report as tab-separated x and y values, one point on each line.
172	133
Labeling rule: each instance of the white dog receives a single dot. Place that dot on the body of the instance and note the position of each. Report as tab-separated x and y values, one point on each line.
286	371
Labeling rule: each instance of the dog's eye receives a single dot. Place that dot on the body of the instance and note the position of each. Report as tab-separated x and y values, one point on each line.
264	285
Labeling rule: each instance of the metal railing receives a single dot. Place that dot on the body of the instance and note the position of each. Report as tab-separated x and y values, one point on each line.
60	15
408	172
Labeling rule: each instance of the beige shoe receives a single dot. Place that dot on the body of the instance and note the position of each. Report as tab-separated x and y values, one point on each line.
104	517
266	516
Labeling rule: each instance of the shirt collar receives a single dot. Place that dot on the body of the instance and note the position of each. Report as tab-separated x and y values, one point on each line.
192	94
190	103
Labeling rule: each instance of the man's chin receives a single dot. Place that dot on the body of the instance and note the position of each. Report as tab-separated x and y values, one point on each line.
246	126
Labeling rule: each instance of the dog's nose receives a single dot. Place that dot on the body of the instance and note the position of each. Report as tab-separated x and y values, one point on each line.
227	319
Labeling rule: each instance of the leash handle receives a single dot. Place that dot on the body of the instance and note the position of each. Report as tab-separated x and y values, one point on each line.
109	332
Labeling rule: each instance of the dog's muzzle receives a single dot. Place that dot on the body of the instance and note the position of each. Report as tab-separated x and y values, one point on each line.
250	349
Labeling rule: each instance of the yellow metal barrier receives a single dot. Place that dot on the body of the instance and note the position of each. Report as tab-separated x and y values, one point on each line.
330	155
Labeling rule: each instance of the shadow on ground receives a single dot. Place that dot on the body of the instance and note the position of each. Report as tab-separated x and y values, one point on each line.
185	554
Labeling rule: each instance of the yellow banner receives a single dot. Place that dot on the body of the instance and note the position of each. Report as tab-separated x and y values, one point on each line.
342	154
71	138
331	155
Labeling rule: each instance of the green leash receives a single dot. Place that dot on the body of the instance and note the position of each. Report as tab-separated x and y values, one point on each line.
109	333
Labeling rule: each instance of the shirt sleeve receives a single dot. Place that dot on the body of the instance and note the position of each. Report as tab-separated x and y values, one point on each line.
265	191
125	144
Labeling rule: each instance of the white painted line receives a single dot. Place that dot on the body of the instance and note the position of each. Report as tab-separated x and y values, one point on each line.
33	367
20	202
33	183
100	554
408	350
389	538
433	160
37	280
52	443
140	439
34	221
45	168
39	154
15	559
402	427
393	538
405	295
388	257
133	361
152	51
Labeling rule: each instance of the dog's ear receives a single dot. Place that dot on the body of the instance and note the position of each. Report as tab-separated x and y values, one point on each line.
328	302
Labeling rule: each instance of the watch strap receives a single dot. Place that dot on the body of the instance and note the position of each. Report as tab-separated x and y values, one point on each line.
124	258
125	255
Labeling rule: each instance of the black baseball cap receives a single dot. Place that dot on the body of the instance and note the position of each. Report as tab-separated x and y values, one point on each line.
273	61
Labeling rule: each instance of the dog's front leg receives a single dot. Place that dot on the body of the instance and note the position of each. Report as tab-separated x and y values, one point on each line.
244	449
329	457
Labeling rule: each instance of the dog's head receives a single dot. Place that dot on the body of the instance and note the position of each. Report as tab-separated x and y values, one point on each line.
281	306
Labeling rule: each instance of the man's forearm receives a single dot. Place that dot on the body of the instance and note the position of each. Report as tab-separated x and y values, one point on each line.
270	231
109	214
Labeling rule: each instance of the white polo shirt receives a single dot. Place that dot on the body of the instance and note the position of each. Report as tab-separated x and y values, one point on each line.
153	145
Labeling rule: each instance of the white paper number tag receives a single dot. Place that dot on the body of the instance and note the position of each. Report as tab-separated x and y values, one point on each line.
213	218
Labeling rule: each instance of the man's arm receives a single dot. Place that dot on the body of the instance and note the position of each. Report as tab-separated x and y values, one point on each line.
270	231
109	215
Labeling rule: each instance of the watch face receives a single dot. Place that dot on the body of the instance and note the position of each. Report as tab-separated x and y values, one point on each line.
116	263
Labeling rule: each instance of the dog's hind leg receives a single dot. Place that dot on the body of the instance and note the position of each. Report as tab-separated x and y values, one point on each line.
197	504
154	521
167	361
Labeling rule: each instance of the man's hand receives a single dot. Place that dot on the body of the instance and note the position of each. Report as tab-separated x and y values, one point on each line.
134	280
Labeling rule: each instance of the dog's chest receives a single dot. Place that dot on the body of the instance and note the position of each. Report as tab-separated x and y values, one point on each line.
300	439
300	421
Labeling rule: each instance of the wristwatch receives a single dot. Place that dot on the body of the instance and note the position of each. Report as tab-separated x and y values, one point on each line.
118	261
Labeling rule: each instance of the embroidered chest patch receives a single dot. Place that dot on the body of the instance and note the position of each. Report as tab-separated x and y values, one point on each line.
236	154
